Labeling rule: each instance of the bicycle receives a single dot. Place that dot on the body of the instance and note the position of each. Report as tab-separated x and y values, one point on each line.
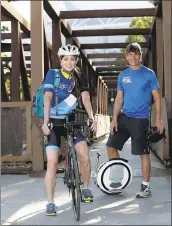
72	176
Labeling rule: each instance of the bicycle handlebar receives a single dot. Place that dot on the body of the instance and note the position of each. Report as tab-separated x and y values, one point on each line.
73	123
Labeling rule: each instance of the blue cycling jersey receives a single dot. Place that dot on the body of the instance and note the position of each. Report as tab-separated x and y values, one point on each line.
67	98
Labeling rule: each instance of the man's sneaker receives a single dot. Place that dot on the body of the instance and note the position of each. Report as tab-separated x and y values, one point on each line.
144	192
87	195
51	209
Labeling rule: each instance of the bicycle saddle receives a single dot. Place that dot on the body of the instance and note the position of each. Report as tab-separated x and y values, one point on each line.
155	135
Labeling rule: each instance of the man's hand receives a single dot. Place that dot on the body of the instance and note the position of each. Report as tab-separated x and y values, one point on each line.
114	124
159	125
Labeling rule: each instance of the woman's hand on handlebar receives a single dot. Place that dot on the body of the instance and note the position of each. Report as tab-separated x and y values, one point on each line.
47	126
92	124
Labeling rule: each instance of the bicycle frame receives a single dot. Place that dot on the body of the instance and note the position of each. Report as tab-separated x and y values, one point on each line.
72	174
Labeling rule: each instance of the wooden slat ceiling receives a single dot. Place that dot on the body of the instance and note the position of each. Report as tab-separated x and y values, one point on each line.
56	15
109	73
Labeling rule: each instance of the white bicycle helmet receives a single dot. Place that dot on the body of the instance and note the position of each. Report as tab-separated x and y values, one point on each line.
68	50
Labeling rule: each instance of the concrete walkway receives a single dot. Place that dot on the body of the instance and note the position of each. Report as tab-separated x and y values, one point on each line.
23	198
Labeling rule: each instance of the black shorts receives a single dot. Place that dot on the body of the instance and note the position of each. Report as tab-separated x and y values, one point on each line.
130	127
54	139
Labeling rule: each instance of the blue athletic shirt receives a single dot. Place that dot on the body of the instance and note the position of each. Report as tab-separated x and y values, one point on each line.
67	97
137	86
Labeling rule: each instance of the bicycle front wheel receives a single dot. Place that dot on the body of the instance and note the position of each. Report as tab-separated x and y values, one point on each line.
75	188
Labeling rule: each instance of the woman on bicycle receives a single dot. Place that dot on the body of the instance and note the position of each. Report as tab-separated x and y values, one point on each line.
73	84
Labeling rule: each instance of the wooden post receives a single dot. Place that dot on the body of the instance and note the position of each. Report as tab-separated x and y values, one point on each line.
100	97
153	49
98	89
104	99
167	29
37	71
47	65
4	94
159	50
150	57
24	77
56	43
69	41
15	50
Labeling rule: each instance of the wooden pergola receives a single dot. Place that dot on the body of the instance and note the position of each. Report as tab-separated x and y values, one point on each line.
102	73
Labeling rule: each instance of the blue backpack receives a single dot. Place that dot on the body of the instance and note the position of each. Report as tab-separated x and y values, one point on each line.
38	98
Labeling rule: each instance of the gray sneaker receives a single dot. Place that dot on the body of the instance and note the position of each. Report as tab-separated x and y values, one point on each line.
51	209
144	192
87	195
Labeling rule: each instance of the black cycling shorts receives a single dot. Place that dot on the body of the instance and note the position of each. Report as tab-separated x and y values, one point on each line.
130	127
54	139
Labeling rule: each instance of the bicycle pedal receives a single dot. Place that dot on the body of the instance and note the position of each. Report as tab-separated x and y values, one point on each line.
87	201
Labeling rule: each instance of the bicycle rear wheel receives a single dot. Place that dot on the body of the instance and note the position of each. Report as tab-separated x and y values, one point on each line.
75	188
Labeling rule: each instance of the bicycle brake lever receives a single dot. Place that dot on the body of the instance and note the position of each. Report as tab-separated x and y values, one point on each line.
46	137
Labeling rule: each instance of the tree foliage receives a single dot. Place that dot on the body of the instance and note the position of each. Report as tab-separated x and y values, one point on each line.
138	22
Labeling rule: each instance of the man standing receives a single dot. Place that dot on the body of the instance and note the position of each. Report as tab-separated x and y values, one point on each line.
131	112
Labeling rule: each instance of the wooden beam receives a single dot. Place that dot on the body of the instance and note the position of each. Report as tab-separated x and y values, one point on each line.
4	94
65	27
9	35
46	55
109	73
167	44
56	43
107	13
24	77
112	86
37	71
8	59
54	15
111	32
4	18
51	11
106	55
6	47
11	13
115	63
99	69
97	98
113	81
150	37
110	78
15	70
16	159
110	45
160	52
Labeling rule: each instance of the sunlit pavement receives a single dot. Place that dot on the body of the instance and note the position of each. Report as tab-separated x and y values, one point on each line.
23	198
